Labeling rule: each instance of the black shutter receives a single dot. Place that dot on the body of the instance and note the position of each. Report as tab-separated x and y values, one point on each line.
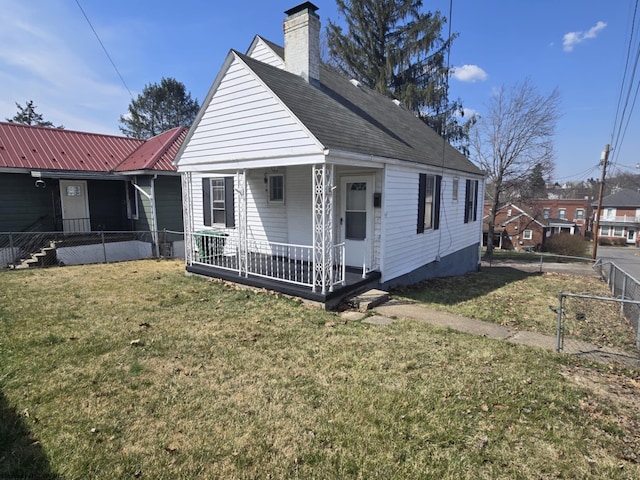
436	202
229	209
422	195
206	201
475	200
466	201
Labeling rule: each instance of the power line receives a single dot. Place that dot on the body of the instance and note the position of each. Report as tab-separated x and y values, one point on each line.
621	121
104	49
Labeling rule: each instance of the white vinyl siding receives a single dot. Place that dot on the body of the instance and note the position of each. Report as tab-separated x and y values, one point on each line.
298	187
243	120
263	53
406	250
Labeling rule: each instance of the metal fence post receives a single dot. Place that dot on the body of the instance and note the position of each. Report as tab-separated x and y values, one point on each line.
104	247
612	280
560	331
11	249
541	258
624	289
638	333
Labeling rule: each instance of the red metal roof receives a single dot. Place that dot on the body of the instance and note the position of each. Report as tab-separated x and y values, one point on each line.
41	148
157	153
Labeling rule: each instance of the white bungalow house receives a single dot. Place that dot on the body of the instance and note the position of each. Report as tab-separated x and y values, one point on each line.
302	181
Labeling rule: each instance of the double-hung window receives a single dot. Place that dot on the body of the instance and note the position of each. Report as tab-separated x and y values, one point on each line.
217	201
276	188
429	187
471	201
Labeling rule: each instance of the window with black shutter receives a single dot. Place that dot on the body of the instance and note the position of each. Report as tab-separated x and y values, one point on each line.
218	201
429	188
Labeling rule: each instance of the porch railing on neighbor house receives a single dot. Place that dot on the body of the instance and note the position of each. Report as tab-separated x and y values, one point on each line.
284	262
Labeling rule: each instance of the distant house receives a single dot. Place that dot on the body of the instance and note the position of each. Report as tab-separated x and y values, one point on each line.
576	211
619	217
521	228
56	180
302	181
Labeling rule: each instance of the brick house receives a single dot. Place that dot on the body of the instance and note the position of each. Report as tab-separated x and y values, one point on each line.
576	211
520	228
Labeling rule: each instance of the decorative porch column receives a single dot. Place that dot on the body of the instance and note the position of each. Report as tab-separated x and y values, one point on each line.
241	190
322	228
187	216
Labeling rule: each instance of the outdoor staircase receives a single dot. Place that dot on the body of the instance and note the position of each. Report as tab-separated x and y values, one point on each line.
46	257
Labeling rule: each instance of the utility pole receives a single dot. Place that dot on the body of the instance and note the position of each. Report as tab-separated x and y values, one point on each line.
605	157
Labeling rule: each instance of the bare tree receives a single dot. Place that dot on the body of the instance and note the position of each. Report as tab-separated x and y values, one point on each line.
512	139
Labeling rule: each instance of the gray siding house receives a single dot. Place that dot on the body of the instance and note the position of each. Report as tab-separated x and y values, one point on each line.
302	181
73	183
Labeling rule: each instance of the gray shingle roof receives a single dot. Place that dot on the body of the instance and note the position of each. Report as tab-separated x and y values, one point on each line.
622	198
346	117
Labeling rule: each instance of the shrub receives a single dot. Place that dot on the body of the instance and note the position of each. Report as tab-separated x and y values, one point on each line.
612	242
566	244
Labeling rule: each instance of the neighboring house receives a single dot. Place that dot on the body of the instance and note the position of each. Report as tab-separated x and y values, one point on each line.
619	217
576	211
302	181
56	180
520	228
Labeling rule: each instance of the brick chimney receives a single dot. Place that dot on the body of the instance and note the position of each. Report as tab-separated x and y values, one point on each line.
302	41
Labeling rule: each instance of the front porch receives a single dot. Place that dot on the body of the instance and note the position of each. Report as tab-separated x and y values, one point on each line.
286	268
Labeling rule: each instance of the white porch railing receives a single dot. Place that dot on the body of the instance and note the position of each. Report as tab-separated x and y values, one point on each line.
283	262
621	218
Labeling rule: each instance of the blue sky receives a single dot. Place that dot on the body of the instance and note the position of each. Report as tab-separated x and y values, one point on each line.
49	54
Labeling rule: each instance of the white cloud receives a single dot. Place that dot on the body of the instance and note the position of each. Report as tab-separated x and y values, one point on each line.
469	73
571	39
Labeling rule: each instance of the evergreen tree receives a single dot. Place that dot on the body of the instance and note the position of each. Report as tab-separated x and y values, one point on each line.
27	115
397	50
536	186
160	107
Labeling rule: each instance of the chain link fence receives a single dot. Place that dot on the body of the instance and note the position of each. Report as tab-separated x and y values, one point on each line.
45	249
602	328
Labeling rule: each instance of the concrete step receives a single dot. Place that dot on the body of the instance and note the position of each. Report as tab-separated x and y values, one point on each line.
368	300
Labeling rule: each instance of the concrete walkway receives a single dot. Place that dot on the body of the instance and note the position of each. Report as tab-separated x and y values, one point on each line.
397	310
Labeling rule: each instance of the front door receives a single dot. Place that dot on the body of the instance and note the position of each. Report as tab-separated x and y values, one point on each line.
356	219
75	206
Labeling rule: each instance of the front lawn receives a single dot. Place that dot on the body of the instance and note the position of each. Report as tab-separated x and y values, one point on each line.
134	370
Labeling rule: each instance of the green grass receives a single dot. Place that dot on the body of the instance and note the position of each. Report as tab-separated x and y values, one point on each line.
134	370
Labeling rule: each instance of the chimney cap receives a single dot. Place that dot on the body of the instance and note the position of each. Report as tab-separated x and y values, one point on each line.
301	7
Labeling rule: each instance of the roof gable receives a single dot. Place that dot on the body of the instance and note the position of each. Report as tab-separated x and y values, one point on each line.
266	52
157	153
243	119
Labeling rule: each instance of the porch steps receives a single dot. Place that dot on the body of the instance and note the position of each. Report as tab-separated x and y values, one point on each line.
368	300
46	257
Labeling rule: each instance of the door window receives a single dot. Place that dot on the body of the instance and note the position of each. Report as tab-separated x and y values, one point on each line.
356	212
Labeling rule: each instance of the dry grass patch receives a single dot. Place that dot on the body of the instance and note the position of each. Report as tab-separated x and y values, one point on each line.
134	370
522	300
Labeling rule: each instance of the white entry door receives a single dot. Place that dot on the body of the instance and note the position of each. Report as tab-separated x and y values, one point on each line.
356	219
75	206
